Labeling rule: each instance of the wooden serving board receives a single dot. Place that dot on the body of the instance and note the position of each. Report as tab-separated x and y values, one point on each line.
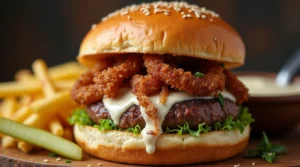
14	157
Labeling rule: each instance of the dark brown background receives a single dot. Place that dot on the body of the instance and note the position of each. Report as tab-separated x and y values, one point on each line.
53	30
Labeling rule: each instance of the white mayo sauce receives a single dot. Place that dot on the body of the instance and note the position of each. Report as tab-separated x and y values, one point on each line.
125	99
260	86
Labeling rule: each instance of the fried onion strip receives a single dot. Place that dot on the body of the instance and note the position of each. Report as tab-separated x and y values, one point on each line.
85	91
164	94
112	78
236	87
210	84
93	85
142	86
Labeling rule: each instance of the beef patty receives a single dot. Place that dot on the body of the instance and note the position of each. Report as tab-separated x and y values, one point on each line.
194	112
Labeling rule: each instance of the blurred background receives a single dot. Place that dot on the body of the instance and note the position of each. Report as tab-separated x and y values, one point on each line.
53	30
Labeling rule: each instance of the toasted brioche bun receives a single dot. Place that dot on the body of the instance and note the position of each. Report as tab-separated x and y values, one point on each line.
165	28
171	149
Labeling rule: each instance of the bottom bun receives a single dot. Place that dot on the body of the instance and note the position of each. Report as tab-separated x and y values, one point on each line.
171	149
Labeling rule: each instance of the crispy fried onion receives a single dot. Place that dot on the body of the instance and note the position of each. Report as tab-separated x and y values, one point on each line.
96	83
210	84
236	87
143	87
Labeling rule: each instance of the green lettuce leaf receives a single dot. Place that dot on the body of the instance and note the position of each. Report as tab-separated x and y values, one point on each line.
135	130
185	129
79	116
106	124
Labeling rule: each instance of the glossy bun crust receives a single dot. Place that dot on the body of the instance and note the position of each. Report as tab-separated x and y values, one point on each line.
171	149
175	28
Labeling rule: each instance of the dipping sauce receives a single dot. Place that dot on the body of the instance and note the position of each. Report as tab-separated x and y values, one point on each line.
260	86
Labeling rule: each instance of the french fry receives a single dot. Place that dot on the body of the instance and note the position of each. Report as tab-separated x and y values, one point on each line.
38	120
56	127
25	147
40	70
52	104
23	113
8	142
25	100
8	89
8	107
70	70
64	84
24	75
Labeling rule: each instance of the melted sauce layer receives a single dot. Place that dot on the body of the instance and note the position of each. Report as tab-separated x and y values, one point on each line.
125	99
263	86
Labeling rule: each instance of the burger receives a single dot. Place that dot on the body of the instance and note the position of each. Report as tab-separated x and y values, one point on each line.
159	90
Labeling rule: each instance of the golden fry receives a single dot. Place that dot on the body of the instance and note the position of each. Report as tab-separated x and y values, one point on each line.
56	127
25	147
8	142
9	89
8	107
41	72
52	104
23	113
25	100
69	70
38	120
24	76
17	89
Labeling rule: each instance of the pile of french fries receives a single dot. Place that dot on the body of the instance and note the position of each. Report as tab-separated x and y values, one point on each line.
41	99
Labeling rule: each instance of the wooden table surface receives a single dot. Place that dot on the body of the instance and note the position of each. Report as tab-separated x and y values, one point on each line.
14	157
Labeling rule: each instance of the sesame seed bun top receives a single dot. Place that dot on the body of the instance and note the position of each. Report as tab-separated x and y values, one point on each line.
175	28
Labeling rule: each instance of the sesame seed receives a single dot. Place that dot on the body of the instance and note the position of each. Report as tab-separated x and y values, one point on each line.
93	26
203	16
157	10
236	165
89	166
215	39
124	13
46	160
182	13
253	163
145	10
166	13
188	15
177	6
99	164
211	20
128	18
57	159
184	16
